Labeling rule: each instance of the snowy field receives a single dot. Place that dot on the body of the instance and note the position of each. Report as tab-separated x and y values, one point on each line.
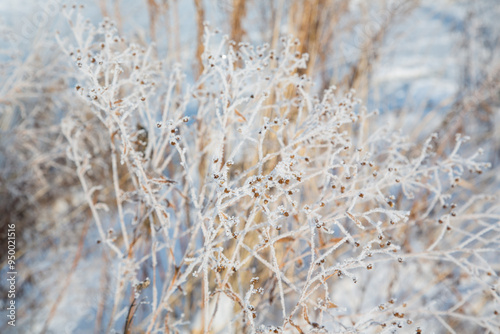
232	166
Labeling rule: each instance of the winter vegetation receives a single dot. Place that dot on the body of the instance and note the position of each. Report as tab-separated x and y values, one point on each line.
251	166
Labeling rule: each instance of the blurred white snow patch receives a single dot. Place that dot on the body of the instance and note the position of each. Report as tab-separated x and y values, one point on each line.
433	90
402	73
77	309
11	7
221	322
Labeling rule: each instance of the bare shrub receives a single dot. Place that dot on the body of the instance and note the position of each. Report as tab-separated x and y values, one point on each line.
242	202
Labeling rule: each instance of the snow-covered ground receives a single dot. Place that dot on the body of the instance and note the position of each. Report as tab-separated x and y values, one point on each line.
420	68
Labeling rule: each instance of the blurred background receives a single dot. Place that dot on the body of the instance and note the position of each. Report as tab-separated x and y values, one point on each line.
435	62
